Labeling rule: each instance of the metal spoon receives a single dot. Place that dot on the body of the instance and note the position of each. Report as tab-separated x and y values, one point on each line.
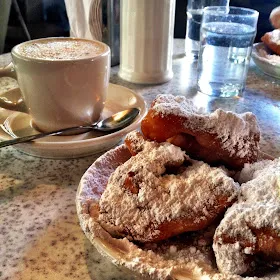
113	123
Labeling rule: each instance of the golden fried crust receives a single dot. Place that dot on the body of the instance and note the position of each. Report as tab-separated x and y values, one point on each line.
270	41
159	128
186	224
250	230
267	242
274	17
145	202
198	144
135	142
248	233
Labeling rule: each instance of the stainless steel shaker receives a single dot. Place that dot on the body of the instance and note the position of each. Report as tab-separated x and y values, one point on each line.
97	20
111	28
104	20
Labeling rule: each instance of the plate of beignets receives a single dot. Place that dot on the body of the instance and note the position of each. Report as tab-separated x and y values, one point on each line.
149	206
266	54
266	60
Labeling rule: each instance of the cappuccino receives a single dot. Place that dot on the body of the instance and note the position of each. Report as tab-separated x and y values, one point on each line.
63	81
60	49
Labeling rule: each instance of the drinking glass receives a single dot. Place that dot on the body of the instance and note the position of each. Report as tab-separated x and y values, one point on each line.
227	36
194	16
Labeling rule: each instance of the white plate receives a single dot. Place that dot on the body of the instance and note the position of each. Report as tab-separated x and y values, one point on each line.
158	262
260	55
119	98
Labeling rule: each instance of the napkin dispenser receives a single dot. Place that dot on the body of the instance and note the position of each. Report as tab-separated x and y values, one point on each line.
105	25
97	20
111	28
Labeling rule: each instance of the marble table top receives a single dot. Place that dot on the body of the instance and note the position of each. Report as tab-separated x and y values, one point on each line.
40	235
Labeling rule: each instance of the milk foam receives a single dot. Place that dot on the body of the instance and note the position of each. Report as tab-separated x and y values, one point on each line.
60	49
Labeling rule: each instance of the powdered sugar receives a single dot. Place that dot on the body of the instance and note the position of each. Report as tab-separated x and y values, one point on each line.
192	258
176	105
238	227
193	193
275	36
238	134
257	169
258	208
266	56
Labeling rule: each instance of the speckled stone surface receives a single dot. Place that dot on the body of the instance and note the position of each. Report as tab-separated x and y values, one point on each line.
40	235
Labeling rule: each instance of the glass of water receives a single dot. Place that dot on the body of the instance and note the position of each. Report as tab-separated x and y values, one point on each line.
227	37
194	16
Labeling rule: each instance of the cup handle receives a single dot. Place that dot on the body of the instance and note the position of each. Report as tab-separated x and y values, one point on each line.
11	99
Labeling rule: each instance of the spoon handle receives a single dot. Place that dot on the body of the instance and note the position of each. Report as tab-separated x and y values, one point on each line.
43	134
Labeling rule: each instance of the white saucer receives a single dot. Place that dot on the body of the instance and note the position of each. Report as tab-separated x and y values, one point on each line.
263	58
119	98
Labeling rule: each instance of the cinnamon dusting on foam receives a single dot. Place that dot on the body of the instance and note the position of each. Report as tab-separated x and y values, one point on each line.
60	49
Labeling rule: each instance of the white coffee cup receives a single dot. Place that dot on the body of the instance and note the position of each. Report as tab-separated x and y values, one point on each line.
63	81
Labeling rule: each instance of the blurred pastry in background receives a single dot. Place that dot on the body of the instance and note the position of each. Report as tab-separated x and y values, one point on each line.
275	17
272	39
